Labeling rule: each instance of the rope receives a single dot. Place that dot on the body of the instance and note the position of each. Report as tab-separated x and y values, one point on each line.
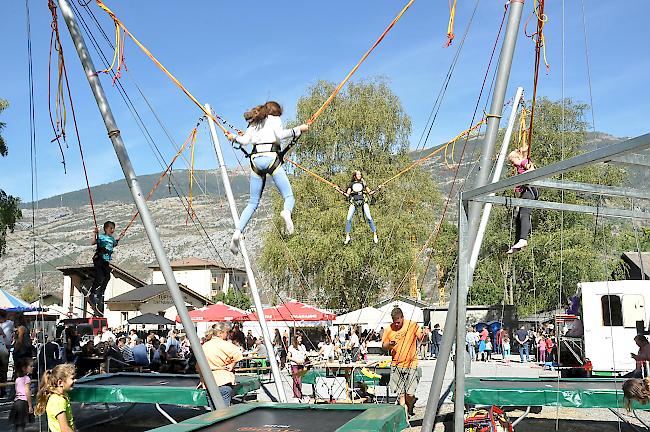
465	133
450	26
190	139
217	119
63	77
198	224
118	56
191	214
59	120
354	69
540	44
316	176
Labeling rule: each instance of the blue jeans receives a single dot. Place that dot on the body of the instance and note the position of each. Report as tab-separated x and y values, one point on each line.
524	350
366	212
257	187
226	393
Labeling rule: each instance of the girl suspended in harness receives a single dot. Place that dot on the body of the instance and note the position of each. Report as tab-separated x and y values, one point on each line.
264	133
358	193
521	162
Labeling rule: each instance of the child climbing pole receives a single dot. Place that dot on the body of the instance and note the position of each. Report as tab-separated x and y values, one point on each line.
264	133
106	243
358	193
521	162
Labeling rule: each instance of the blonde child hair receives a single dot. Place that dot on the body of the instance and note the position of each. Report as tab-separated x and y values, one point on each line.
50	383
636	389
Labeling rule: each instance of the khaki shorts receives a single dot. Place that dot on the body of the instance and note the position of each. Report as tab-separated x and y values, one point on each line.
404	380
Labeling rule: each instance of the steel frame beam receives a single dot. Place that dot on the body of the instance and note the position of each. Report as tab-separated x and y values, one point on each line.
624	192
604	154
642	160
551	205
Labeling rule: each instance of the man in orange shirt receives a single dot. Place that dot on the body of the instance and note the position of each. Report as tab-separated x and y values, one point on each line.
400	339
222	356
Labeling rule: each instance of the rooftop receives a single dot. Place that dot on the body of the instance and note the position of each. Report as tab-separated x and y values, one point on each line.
196	263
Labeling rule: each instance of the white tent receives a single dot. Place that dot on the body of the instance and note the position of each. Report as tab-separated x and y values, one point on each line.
368	317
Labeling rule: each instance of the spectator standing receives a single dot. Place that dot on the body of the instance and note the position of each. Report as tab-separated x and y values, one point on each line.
23	341
498	341
436	339
521	336
400	339
483	335
505	345
222	357
470	342
488	349
424	344
541	349
5	346
297	355
140	354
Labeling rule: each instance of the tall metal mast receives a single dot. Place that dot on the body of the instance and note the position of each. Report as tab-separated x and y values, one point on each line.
140	203
452	328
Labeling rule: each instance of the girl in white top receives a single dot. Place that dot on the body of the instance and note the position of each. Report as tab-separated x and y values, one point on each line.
264	133
296	356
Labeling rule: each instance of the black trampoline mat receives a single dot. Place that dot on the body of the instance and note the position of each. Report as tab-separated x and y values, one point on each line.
282	420
143	380
553	383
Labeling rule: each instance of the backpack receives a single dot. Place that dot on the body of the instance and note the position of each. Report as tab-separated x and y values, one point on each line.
492	419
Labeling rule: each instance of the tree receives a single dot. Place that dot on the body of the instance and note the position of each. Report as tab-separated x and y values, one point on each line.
234	298
29	292
565	248
3	147
9	205
364	128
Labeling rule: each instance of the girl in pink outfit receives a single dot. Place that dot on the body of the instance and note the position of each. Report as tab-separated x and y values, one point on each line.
22	406
542	349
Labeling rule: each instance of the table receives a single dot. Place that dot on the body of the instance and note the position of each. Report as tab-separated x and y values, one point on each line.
271	417
347	369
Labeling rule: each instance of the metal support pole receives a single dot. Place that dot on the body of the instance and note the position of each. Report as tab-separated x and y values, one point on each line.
138	198
275	368
461	307
503	74
448	336
496	108
476	248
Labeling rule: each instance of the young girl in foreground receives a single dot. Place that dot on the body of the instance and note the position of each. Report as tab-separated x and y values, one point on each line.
22	406
52	398
264	133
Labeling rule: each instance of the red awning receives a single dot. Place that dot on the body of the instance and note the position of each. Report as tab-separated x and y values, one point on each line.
216	313
294	311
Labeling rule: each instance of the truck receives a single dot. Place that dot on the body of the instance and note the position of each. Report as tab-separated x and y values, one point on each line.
611	313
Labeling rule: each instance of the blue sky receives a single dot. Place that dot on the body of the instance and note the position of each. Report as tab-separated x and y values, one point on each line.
237	54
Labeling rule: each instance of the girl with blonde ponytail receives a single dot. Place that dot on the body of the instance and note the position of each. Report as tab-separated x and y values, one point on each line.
52	398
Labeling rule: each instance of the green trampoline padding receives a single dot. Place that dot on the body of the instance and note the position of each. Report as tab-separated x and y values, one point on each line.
267	416
564	392
173	389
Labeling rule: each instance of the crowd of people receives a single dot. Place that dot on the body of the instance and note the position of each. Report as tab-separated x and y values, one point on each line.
540	344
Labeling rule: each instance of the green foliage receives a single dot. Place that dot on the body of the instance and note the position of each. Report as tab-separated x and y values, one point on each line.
3	147
364	128
29	292
234	298
565	248
9	205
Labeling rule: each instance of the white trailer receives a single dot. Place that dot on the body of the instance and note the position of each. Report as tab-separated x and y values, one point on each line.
610	311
